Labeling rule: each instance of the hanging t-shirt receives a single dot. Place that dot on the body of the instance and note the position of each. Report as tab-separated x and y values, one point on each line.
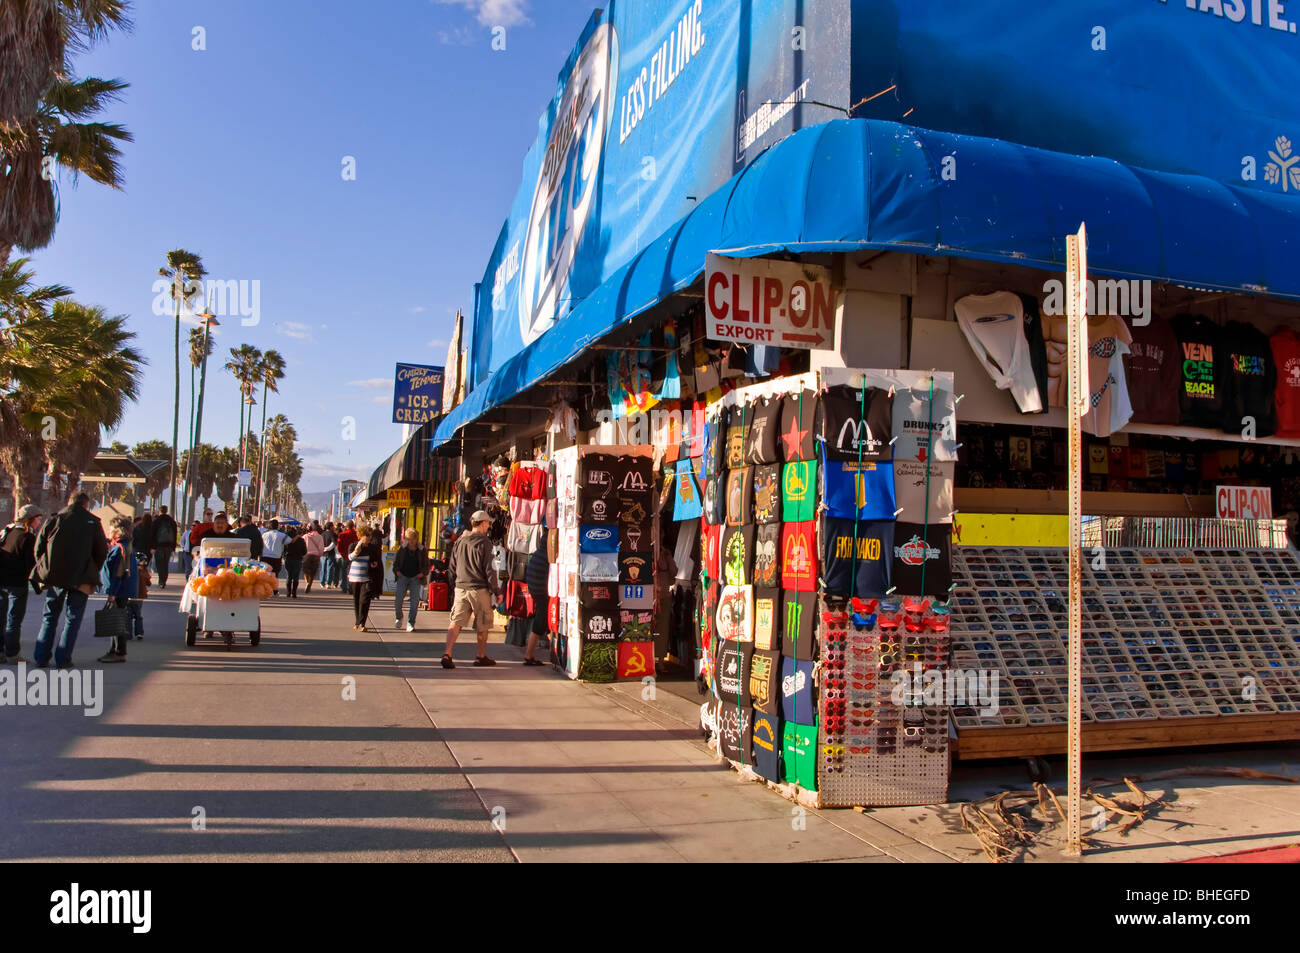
686	552
761	446
1108	401
799	491
1250	379
598	567
734	659
517	565
518	600
799	625
910	482
633	477
596	476
526	511
1285	345
524	537
916	546
740	496
858	557
925	432
599	622
597	539
1035	337
711	543
637	568
799	556
856	425
767	556
736	614
708	607
602	596
767	493
767	745
767	619
735	731
797	439
737	555
714	499
599	509
637	625
994	326
765	681
1151	370
635	538
686	495
635	510
858	491
798	701
1201	399
738	423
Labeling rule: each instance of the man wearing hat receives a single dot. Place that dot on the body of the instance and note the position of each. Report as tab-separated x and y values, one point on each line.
17	557
477	587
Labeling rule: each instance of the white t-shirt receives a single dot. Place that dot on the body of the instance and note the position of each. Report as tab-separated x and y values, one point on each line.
1109	408
273	543
994	326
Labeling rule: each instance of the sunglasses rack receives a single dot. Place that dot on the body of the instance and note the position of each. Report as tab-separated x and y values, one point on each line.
1166	633
883	738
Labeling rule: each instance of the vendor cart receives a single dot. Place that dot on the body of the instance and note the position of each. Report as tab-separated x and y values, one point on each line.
224	616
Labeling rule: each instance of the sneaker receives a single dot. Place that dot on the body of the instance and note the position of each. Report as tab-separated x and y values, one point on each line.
397	623
111	657
410	627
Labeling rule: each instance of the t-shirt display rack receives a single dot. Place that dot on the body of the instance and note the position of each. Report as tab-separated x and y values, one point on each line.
807	632
1180	647
603	552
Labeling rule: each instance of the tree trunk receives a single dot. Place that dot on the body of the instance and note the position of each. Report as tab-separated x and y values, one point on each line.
176	404
198	420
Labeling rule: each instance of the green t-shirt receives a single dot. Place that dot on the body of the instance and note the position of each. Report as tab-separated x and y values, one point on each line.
799	491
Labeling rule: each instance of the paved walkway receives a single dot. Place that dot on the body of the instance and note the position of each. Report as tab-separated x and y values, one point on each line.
328	744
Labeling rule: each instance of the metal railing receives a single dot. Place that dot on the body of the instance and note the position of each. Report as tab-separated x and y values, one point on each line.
1180	532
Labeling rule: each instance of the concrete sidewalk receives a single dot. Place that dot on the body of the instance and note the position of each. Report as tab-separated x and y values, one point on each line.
329	744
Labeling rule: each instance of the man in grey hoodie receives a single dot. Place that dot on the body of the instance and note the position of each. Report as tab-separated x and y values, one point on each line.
475	580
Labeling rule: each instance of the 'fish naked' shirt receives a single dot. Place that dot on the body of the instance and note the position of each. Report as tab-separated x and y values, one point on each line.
855	425
1201	398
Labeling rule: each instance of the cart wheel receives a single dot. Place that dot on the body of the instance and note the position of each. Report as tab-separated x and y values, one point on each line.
191	630
255	638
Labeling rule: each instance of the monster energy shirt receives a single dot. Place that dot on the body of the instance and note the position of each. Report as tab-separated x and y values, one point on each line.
858	557
856	424
737	555
863	491
799	625
740	496
764	681
799	556
767	619
767	493
761	445
799	491
798	425
917	546
767	556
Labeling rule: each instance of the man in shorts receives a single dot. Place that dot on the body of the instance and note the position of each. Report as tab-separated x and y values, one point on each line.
477	587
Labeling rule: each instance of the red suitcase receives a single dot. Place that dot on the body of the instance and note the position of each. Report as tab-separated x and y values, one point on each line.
438	600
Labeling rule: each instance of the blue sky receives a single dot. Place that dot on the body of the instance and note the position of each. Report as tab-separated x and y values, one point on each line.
238	155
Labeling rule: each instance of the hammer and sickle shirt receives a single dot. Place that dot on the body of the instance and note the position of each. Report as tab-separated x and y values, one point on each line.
856	424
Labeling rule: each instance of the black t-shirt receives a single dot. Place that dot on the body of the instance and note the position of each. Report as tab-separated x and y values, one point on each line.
734	660
738	422
761	443
737	555
768	608
635	538
797	439
765	681
632	477
740	496
767	556
768	746
715	499
1153	371
1251	379
1201	399
767	493
799	624
866	574
635	569
857	426
916	545
1037	345
735	729
597	476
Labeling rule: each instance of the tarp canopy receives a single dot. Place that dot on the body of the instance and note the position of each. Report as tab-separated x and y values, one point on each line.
857	184
410	462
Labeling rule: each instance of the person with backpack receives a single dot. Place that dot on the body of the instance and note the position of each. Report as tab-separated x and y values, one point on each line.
17	558
165	536
70	549
120	580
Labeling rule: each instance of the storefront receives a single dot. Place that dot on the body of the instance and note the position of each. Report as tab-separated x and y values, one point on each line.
919	270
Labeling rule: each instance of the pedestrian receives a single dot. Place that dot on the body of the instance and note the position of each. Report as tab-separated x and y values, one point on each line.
183	552
249	532
17	557
165	535
365	559
219	529
315	543
347	541
411	573
295	551
120	581
329	569
536	574
142	535
273	541
70	548
142	593
477	587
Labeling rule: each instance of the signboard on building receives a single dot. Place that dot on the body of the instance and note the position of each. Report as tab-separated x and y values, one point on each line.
396	497
1243	502
762	301
417	393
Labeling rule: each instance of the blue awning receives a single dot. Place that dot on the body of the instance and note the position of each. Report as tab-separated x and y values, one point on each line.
864	184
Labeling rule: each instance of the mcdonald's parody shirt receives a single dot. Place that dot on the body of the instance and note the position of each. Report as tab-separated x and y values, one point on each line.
856	424
799	556
917	546
862	491
858	557
767	493
796	440
799	491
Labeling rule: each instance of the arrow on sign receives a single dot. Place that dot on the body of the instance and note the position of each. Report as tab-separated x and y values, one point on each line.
806	338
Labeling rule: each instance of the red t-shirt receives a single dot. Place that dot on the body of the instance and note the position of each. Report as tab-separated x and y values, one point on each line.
1286	357
799	556
347	539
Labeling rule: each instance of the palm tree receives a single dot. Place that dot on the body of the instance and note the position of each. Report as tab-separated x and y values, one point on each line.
201	348
226	473
271	371
244	363
29	205
184	270
156	482
209	322
35	39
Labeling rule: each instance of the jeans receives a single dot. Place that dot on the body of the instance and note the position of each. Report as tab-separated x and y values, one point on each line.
186	561
13	606
406	584
344	565
55	601
292	570
162	557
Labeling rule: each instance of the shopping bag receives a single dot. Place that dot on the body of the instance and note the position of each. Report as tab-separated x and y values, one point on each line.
112	622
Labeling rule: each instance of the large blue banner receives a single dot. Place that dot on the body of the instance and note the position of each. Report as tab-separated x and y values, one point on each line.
1194	86
660	102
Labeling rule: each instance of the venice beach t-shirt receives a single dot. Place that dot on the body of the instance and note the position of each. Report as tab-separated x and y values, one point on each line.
1200	401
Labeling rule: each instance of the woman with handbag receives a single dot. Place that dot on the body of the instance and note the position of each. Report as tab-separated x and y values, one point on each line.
120	579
